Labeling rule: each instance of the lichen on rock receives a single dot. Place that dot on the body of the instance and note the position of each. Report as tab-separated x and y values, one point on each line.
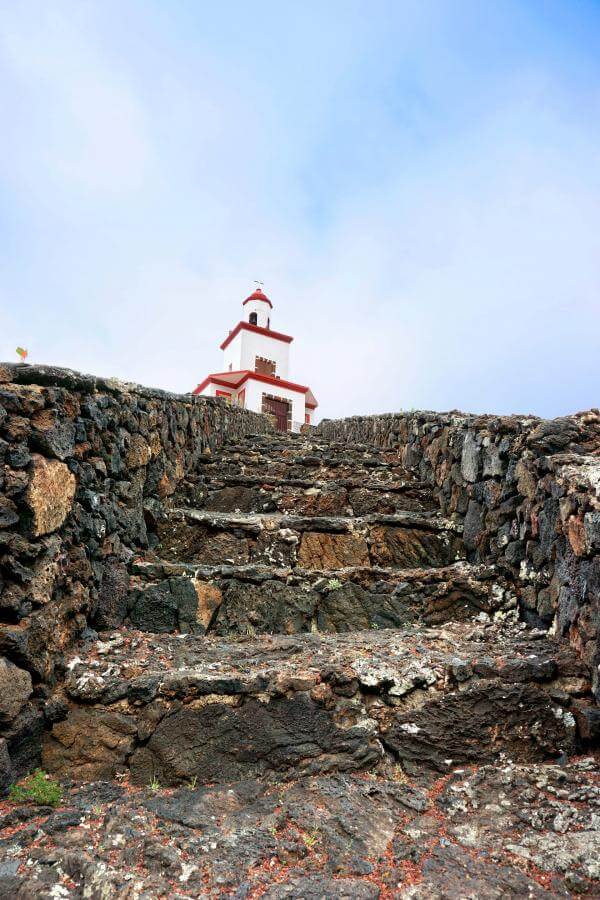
50	494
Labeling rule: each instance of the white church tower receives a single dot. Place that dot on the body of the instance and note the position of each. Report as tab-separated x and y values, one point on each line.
256	367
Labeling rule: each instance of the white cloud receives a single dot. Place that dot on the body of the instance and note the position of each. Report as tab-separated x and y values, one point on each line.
444	260
74	117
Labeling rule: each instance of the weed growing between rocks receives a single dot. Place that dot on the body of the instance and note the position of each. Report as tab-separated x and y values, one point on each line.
154	785
38	789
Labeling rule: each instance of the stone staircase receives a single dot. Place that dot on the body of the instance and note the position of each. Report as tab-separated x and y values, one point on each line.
315	694
284	535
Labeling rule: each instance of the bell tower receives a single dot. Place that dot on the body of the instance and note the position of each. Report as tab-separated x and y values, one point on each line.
257	309
255	369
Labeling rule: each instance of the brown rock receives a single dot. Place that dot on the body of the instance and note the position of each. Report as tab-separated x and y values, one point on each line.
92	744
209	600
179	467
45	571
17	428
576	535
526	480
44	419
233	499
332	551
138	453
15	689
182	540
155	443
165	487
412	547
50	494
319	503
168	482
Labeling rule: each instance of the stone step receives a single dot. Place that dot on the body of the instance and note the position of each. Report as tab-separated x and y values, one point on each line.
293	443
527	830
184	709
308	455
404	484
270	469
344	496
384	466
401	539
254	599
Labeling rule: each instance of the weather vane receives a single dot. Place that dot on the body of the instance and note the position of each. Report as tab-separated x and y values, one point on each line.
259	283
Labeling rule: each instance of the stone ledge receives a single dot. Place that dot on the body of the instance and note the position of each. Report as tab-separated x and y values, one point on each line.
179	708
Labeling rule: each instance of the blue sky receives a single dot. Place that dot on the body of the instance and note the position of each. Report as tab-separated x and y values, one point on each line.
417	184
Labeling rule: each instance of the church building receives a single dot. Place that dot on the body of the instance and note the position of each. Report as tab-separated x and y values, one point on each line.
256	365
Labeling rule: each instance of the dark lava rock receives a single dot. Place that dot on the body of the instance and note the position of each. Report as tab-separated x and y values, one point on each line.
320	887
218	743
464	728
498	831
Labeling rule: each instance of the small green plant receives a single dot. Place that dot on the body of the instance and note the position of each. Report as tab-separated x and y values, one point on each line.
37	788
154	785
334	584
311	839
193	783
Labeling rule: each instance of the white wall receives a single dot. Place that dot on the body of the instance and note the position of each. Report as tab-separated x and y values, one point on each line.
211	390
255	390
262	310
247	345
254	393
232	355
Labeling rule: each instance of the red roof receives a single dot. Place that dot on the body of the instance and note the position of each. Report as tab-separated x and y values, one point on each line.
311	400
246	326
258	295
236	379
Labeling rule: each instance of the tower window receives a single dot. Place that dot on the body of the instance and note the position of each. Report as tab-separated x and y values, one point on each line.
264	366
253	319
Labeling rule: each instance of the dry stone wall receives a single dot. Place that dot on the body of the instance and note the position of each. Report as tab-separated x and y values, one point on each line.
528	493
78	457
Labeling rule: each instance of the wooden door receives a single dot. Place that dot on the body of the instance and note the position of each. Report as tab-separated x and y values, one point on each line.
279	409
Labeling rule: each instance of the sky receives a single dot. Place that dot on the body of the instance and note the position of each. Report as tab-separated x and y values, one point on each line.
417	184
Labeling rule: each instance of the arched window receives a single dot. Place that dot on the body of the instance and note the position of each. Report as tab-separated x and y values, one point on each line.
253	319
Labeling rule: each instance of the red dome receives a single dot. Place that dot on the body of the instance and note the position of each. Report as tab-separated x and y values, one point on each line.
258	295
